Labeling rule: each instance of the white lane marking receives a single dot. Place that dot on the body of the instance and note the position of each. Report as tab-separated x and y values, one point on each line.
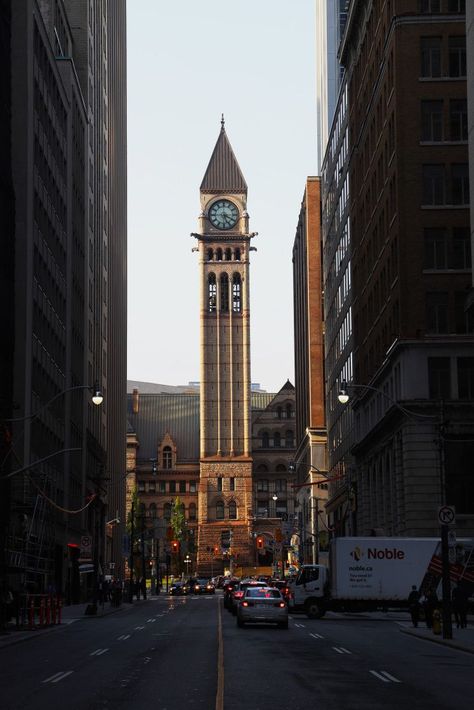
98	652
317	636
148	621
379	676
126	637
139	628
300	626
121	638
341	649
58	676
390	677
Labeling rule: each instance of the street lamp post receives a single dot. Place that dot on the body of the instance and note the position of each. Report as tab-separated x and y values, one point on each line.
187	562
275	498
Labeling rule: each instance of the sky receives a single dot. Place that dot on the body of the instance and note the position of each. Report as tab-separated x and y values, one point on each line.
190	61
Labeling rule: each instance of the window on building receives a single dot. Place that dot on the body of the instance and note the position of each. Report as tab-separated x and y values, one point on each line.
430	6
458	119
192	487
219	483
435	248
262	485
219	254
167	512
224	293
172	486
439	378
280	485
151	486
162	486
141	486
237	254
437	312
460	183
236	293
465	377
289	411
167	457
212	293
434	184
153	510
461	254
431	120
219	510
279	412
430	56
232	510
289	439
232	484
210	254
281	507
464	316
457	6
276	439
262	508
182	486
192	511
457	55
458	457
228	254
265	440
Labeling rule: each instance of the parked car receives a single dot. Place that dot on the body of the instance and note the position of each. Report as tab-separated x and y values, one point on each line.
262	605
240	590
203	586
179	589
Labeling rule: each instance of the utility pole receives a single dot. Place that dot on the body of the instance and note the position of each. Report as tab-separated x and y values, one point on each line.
143	553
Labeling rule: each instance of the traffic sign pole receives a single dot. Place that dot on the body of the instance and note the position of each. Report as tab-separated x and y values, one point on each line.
446	584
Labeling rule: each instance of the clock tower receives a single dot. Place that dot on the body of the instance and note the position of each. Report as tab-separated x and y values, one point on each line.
225	488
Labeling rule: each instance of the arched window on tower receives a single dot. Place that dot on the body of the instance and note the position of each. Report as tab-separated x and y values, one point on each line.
232	510
228	254
219	254
219	510
237	254
167	457
236	293
212	293
224	293
210	254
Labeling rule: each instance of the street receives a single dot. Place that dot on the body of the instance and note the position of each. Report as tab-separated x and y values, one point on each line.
180	652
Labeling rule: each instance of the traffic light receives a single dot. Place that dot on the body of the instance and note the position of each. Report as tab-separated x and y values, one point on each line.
260	542
175	547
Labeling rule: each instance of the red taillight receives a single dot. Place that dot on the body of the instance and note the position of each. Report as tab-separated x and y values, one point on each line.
282	605
245	603
238	595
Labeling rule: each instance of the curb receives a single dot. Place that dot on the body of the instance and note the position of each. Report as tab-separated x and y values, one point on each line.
450	643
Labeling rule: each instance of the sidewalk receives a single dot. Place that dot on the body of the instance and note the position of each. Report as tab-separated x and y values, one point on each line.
70	614
463	639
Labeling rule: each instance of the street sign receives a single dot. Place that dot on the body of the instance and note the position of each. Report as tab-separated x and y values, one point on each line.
451	538
446	515
85	554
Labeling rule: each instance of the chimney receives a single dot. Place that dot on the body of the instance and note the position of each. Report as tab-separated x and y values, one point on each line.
135	400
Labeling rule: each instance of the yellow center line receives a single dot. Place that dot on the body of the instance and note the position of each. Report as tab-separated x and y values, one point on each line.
220	660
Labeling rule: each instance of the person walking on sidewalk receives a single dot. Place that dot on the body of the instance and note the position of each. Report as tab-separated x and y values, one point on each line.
414	605
460	605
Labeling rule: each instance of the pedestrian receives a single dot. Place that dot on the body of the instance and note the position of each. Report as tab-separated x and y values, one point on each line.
414	605
460	604
429	605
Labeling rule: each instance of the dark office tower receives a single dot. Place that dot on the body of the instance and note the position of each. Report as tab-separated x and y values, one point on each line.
60	76
413	367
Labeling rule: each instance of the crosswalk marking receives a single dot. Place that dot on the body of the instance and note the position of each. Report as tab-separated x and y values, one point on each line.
57	677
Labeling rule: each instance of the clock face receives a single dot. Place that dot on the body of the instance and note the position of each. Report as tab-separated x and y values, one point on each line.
223	214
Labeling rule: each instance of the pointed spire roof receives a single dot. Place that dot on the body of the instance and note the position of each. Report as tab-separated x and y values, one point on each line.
223	174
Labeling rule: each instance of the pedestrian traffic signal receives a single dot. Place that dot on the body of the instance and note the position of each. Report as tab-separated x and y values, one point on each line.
175	546
260	542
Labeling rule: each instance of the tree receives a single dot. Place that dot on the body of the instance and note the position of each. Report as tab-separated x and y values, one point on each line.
177	519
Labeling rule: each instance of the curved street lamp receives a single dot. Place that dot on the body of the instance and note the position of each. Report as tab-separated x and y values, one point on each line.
97	399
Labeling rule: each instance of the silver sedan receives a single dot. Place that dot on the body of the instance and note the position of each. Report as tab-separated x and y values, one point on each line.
262	605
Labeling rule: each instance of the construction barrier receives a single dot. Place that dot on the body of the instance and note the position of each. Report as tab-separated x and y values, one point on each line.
43	610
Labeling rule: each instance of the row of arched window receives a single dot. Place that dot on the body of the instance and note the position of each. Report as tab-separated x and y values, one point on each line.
224	293
221	510
276	440
223	254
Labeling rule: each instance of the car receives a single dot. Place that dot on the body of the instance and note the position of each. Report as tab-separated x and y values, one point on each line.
282	586
203	586
239	591
262	605
179	589
228	588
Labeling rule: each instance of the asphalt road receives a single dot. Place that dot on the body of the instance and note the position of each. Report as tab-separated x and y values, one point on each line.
180	653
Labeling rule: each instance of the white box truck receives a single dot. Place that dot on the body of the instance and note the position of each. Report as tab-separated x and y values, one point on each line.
370	573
